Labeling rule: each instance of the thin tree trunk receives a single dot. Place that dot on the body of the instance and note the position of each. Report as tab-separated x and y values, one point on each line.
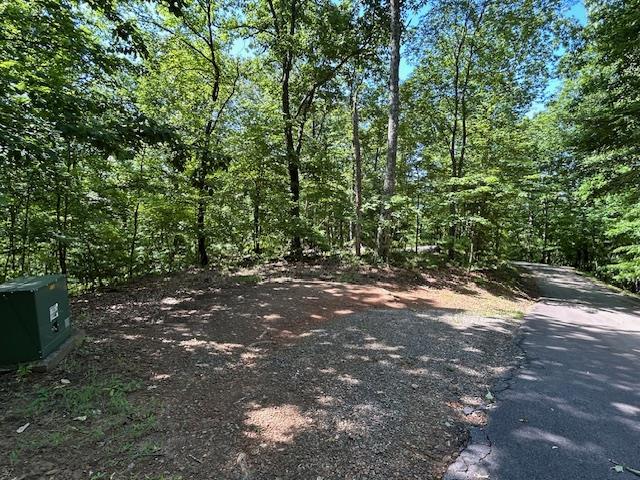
452	150
210	127
203	257
63	203
292	152
132	249
60	246
545	233
11	254
471	249
357	170
293	169
384	227
25	231
417	222
256	220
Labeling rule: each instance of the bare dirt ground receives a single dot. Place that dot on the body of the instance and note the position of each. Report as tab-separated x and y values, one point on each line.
280	372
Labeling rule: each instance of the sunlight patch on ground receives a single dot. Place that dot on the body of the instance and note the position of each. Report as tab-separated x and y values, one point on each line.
278	424
626	408
192	344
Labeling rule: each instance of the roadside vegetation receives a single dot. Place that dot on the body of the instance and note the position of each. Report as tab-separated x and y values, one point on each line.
148	137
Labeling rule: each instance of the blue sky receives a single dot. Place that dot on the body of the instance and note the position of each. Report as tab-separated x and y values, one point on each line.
577	11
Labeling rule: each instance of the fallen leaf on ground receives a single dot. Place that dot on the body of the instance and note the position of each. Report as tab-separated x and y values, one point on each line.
23	428
241	461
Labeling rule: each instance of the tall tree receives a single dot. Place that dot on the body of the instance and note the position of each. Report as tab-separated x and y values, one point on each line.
357	164
482	64
388	189
603	118
311	43
195	28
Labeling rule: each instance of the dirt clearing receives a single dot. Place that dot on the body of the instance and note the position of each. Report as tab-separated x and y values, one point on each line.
278	372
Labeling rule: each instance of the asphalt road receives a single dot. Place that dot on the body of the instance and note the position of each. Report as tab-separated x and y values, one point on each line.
575	402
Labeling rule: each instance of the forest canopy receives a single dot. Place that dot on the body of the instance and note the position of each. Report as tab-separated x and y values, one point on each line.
143	137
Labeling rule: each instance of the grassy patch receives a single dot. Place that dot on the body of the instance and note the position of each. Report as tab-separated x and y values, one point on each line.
419	261
97	414
507	314
507	280
23	371
247	279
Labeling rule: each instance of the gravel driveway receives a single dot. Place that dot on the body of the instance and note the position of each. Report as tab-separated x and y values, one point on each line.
281	378
373	395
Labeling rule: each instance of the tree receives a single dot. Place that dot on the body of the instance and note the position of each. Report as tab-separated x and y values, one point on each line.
311	43
482	65
603	117
388	189
143	137
357	164
195	30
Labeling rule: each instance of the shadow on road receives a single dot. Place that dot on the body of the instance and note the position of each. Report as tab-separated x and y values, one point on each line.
575	404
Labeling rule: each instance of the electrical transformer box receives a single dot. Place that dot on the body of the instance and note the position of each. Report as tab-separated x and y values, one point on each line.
34	318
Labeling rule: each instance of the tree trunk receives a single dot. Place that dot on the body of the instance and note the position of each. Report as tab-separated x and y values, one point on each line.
417	222
63	203
11	254
357	169
134	238
471	248
292	153
388	189
292	164
25	231
451	244
256	220
203	257
545	233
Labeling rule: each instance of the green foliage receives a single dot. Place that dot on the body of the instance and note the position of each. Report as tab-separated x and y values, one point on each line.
603	114
23	371
144	137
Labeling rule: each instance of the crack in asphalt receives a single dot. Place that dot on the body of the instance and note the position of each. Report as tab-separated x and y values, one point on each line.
470	459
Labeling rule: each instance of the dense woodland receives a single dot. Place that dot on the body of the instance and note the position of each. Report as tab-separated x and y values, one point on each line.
141	137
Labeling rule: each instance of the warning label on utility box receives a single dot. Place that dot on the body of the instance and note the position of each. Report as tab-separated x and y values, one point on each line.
53	312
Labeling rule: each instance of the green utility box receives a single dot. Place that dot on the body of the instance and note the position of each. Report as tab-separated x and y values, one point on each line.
34	318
